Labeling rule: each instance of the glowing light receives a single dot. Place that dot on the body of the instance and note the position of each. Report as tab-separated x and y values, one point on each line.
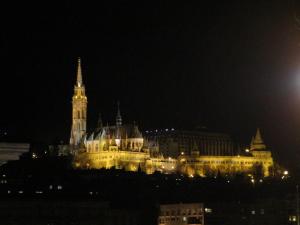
286	172
247	150
34	156
208	210
182	153
252	181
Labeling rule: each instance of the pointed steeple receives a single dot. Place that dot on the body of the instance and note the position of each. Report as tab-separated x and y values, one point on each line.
257	139
79	109
79	73
99	123
118	117
257	142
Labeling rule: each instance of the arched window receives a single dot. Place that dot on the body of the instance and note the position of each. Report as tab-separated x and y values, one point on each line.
78	114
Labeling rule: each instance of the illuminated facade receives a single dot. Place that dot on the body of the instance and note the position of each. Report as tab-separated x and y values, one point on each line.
257	159
122	146
173	142
181	214
79	103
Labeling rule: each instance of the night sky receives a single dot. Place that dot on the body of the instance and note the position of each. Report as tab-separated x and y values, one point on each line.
230	67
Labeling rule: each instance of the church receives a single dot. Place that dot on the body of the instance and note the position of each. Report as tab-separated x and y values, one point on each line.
123	146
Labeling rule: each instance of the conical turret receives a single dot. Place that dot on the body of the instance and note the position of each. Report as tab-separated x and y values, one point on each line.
99	123
257	142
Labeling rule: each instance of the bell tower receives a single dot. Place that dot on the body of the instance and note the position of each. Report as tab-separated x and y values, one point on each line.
79	110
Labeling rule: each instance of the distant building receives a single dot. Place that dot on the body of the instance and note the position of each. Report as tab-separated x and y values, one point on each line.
176	142
181	214
12	151
255	160
122	146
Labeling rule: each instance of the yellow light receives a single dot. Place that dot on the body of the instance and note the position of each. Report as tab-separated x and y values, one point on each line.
247	150
286	172
182	153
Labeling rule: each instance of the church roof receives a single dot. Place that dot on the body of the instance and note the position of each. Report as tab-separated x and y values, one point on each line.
123	132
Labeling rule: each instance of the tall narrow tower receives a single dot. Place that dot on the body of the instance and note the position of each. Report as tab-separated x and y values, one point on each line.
118	117
79	110
118	122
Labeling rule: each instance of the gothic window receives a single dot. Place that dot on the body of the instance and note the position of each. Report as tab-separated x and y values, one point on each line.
78	114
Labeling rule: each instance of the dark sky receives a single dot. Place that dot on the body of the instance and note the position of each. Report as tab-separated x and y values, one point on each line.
229	66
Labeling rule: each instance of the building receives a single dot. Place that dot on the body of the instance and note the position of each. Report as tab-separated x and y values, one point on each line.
257	159
12	151
181	214
122	146
176	142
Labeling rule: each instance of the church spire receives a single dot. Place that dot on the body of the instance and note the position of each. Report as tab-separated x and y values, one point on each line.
257	142
118	117
79	73
99	124
258	139
79	110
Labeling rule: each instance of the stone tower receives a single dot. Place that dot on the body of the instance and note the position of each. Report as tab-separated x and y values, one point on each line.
79	110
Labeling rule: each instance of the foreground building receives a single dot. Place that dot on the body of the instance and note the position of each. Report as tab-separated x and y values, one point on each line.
12	151
122	146
181	214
